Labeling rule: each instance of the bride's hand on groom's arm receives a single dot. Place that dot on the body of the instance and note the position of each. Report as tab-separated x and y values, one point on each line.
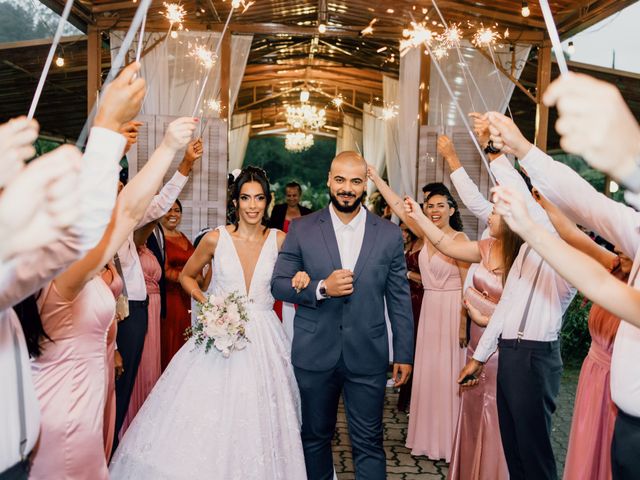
300	281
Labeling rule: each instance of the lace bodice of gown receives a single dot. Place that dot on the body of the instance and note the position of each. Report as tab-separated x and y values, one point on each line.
228	276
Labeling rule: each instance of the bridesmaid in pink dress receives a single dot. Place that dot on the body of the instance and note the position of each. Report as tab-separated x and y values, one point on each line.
594	413
75	310
435	399
477	447
113	280
149	369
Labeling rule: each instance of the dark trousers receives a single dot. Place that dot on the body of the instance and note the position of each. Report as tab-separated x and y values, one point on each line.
130	340
20	471
528	383
625	448
363	397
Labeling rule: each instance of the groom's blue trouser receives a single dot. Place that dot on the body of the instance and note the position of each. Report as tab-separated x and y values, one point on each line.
363	397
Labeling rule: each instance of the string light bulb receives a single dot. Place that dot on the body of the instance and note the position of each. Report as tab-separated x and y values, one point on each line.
60	61
525	9
571	48
322	28
304	95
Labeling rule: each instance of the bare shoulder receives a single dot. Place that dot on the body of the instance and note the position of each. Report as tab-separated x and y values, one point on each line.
280	236
460	237
210	241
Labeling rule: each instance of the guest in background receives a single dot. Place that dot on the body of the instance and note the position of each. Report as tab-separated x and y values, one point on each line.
283	213
412	247
149	368
178	251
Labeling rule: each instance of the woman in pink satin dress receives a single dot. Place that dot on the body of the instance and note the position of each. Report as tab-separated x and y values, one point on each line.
113	280
71	322
149	369
477	446
476	449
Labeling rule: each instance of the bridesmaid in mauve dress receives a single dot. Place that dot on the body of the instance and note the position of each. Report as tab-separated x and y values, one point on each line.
149	369
69	377
178	250
113	280
477	447
594	414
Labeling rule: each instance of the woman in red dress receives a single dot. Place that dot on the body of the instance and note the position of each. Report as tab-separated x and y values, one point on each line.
178	249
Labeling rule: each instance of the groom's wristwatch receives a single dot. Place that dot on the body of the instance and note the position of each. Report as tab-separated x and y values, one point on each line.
322	290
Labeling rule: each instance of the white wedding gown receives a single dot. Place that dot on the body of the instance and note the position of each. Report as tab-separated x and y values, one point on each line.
211	417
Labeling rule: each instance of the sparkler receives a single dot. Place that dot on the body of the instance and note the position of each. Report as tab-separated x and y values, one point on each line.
485	37
141	38
205	57
389	112
418	34
368	30
117	63
553	35
47	63
175	13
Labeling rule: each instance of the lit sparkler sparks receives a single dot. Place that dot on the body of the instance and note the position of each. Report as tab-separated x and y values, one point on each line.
418	34
368	30
175	13
389	111
214	105
241	3
440	51
205	56
485	37
338	101
452	35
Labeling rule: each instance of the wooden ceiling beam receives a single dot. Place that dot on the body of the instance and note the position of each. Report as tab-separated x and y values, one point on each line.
598	10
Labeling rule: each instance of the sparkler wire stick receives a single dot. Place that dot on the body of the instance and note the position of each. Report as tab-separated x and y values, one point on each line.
117	63
463	62
461	113
553	35
141	38
498	73
47	64
217	53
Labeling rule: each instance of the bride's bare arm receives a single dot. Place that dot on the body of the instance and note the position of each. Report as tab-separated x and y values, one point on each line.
300	280
193	268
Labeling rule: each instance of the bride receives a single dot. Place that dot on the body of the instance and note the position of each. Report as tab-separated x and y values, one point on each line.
226	418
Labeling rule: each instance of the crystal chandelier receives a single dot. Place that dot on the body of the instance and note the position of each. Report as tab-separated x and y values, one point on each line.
306	117
298	141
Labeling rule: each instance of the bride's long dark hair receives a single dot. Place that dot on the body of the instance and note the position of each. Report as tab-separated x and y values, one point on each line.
247	175
31	322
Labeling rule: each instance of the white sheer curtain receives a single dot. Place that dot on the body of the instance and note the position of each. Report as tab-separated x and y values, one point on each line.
174	77
408	119
373	140
495	88
238	139
390	96
350	137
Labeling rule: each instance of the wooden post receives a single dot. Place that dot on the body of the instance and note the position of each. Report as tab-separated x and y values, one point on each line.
94	65
542	111
225	74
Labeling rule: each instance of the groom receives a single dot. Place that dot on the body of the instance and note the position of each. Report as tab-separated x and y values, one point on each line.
355	261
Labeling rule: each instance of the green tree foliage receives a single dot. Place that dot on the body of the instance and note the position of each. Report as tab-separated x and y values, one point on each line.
309	168
28	20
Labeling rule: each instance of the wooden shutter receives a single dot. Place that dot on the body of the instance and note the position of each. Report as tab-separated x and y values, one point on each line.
205	190
433	168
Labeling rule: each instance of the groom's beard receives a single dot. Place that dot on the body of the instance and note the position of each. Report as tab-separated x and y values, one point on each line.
341	207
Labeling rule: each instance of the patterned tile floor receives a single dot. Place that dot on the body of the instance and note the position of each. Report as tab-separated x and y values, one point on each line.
402	466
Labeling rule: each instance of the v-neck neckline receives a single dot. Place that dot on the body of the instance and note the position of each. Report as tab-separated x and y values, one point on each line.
247	289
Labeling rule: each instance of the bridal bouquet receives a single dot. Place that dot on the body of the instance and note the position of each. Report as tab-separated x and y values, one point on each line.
221	323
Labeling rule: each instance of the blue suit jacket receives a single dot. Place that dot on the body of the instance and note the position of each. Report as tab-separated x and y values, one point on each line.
352	326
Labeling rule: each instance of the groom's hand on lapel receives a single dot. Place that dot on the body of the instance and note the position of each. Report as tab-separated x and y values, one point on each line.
339	283
401	373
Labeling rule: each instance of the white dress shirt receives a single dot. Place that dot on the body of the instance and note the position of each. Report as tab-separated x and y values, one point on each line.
26	273
349	236
551	296
477	204
129	259
620	225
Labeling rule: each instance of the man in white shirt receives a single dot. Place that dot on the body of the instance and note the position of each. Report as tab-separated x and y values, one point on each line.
525	326
132	330
26	272
356	262
619	224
